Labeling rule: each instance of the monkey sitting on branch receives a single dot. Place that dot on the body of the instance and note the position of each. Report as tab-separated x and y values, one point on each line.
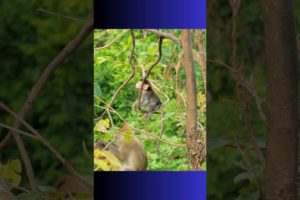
129	150
148	98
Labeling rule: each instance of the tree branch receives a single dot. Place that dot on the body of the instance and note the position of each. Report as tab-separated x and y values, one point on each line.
149	71
114	40
165	35
68	50
44	142
129	77
71	46
40	9
192	135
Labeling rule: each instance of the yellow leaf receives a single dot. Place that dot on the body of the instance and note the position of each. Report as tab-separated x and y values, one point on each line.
106	123
97	153
100	165
112	158
15	165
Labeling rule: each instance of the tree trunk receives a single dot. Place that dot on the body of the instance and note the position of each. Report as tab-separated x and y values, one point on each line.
282	100
192	135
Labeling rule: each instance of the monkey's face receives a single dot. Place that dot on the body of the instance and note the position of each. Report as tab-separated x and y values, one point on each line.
146	86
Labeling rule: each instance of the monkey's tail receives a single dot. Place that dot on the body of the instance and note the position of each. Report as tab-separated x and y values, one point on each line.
161	129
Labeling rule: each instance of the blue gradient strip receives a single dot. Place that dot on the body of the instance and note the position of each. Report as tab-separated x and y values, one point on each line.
163	14
150	185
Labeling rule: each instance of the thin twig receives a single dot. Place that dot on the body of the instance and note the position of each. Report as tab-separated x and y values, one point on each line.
157	138
18	131
140	130
24	155
220	63
48	71
247	160
149	71
44	142
114	40
129	77
68	50
243	98
165	35
59	15
160	92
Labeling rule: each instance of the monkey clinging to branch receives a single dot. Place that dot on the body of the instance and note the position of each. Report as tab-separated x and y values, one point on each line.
150	100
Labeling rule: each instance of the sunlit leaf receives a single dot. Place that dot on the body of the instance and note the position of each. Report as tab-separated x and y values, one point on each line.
112	158
101	165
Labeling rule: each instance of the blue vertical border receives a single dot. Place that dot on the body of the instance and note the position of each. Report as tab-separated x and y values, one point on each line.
185	185
163	14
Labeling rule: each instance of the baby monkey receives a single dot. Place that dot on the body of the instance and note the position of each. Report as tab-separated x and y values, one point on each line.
150	100
129	150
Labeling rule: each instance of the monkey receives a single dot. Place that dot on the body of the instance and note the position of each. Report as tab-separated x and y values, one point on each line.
151	100
129	150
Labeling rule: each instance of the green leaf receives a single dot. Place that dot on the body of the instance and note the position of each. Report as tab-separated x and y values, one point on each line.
15	165
97	90
203	166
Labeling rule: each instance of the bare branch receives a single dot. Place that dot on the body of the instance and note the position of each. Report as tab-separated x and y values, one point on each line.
40	138
129	77
18	131
24	155
71	46
221	63
140	130
149	71
40	9
114	40
243	97
67	51
165	35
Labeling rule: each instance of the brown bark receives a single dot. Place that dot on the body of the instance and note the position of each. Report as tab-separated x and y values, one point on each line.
192	136
202	56
282	100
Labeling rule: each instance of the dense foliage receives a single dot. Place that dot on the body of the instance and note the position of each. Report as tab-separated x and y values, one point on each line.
112	68
30	38
235	173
